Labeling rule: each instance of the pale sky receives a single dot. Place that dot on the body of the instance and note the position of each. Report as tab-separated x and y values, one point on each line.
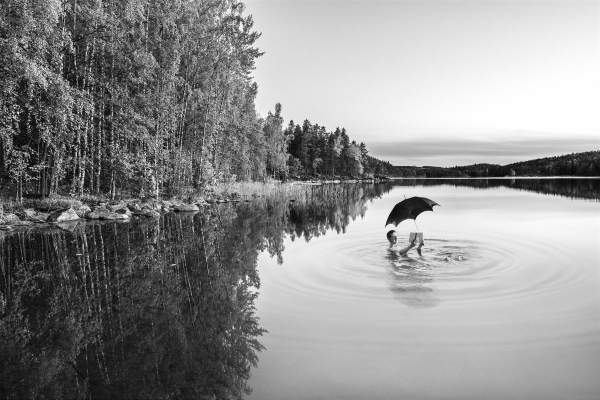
436	82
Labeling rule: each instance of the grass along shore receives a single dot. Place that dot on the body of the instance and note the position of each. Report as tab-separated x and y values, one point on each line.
37	212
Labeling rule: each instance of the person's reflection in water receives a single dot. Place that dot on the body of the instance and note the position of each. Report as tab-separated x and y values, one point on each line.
410	275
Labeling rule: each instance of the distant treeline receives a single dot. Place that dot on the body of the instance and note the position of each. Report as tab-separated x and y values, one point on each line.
573	188
575	164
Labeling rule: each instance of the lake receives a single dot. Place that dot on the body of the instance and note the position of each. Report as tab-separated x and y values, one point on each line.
302	299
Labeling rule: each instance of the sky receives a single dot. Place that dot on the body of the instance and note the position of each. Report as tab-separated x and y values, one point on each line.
438	83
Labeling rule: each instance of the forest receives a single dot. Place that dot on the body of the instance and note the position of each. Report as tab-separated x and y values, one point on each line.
314	152
156	99
152	98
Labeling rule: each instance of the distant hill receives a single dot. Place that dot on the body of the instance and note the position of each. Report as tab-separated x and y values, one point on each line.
408	171
574	164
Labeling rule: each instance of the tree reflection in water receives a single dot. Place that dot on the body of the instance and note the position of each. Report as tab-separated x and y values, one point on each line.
330	207
150	308
574	188
142	310
162	308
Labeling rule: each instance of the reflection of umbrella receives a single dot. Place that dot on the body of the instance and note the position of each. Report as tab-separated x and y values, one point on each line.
410	209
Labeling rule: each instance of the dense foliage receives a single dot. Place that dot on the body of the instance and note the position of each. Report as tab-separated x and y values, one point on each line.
314	152
156	98
152	97
97	95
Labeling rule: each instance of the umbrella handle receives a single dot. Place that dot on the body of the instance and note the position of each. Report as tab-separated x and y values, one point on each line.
414	220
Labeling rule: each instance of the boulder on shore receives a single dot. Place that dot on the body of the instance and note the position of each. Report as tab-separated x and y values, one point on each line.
9	218
40	217
83	210
134	207
151	205
63	215
116	206
29	213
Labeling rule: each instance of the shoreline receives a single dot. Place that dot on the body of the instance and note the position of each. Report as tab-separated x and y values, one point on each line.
64	212
42	213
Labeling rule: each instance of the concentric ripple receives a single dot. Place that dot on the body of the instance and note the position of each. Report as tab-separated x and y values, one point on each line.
490	277
457	270
505	296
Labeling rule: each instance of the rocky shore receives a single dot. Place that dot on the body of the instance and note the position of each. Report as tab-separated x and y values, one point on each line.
104	211
65	213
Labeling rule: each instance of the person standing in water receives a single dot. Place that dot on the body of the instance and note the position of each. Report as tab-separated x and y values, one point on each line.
391	236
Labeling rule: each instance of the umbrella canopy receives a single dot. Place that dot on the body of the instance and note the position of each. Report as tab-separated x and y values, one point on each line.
410	209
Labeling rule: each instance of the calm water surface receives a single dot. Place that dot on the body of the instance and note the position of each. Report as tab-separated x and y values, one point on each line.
517	317
303	299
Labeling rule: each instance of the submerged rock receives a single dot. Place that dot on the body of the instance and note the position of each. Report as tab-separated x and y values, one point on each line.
62	215
187	207
105	215
146	212
69	226
124	210
21	223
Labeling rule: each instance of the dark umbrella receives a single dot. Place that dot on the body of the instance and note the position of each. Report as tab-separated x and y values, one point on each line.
410	209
